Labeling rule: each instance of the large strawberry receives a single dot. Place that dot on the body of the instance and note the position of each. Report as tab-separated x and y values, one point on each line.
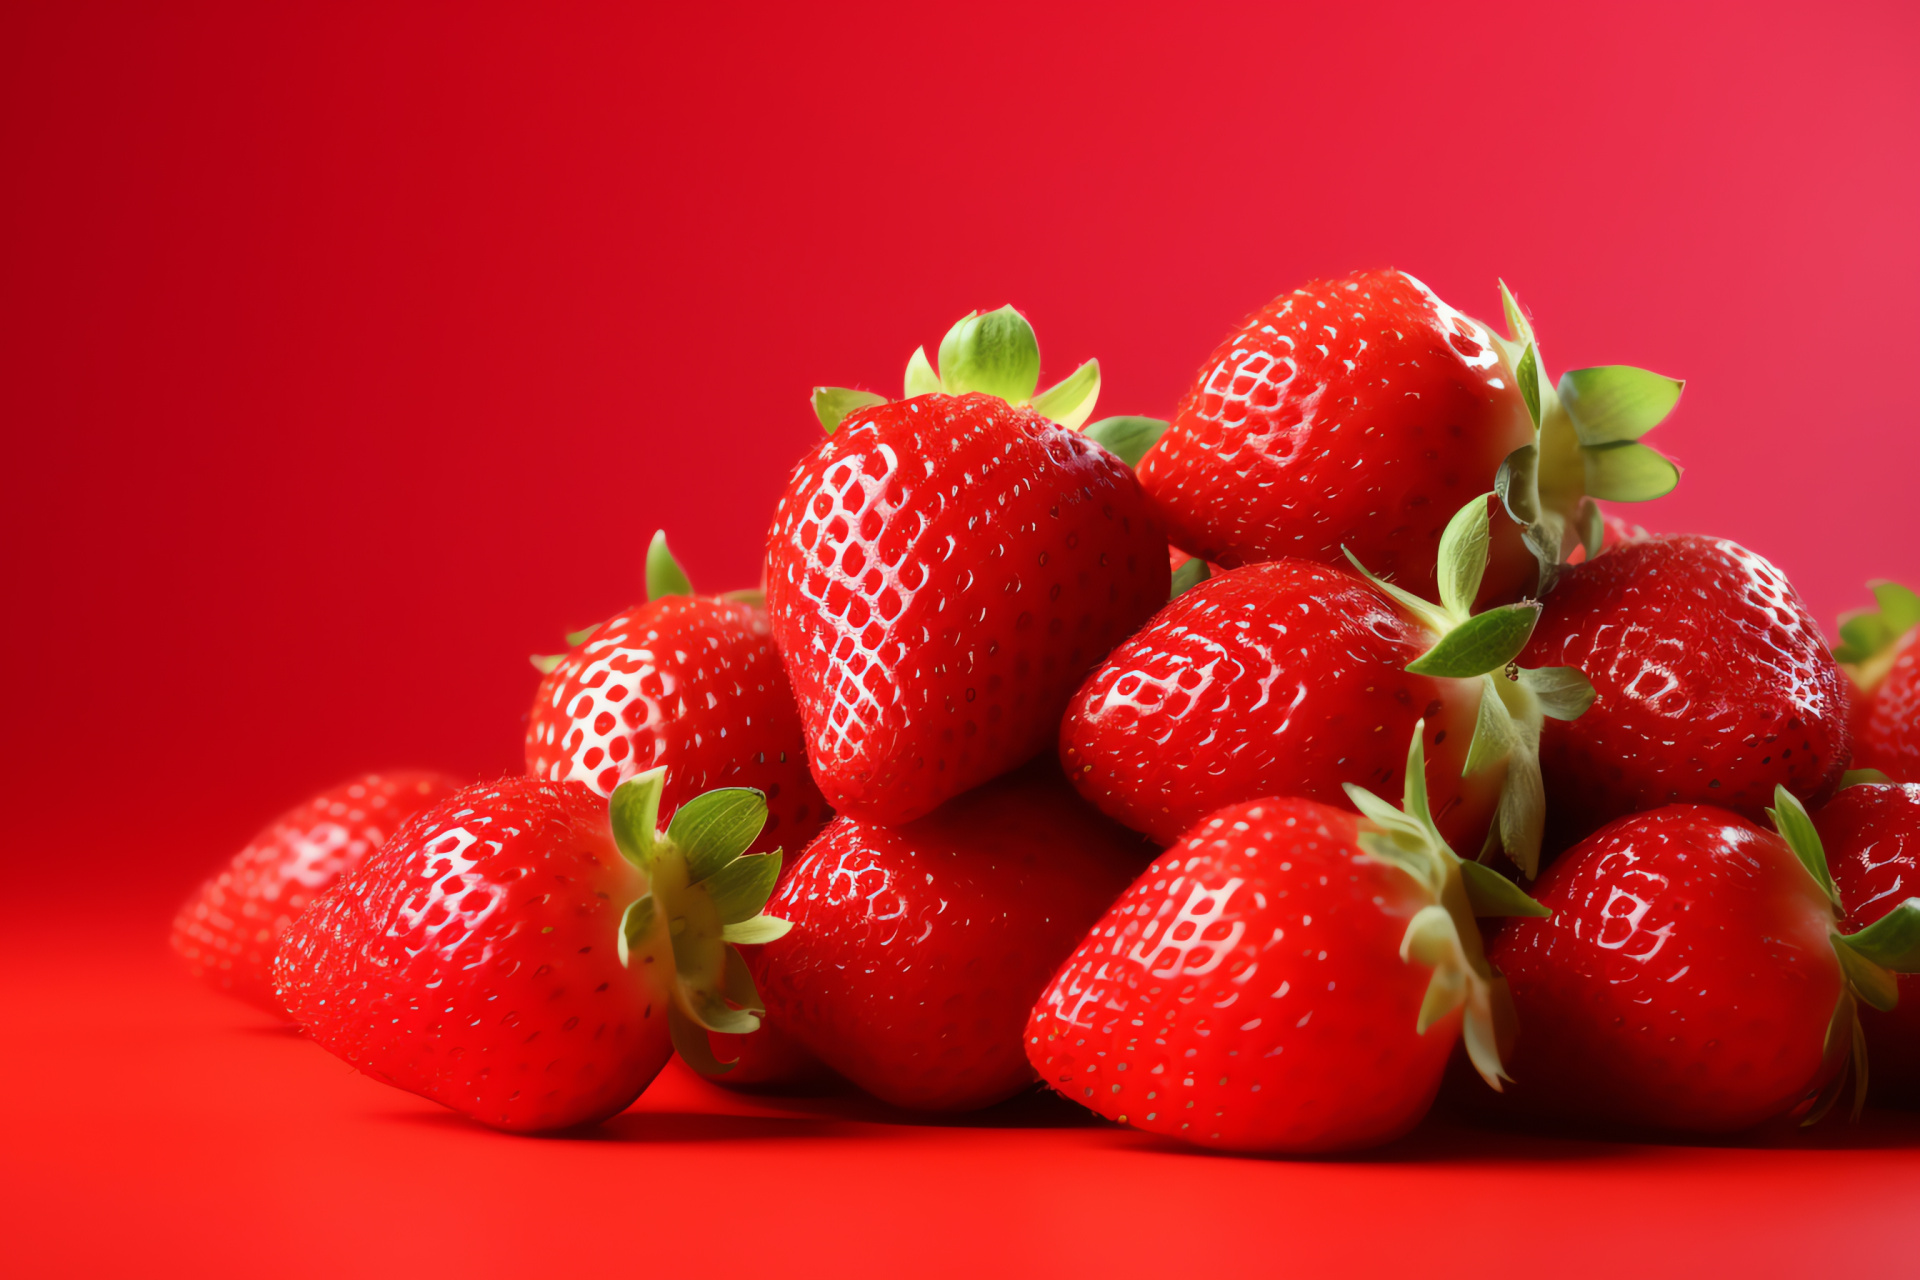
943	570
1295	678
1881	651
917	950
1872	836
689	683
1360	413
229	929
1713	685
530	954
1289	978
1693	975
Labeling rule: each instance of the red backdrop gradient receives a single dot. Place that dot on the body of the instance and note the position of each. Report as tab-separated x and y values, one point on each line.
349	353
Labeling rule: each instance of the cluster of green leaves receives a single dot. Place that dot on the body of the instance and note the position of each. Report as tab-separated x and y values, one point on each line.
996	353
706	894
1866	634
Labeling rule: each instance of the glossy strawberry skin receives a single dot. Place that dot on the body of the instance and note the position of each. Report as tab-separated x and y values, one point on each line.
1247	992
474	960
1713	685
1887	720
1872	839
229	929
692	683
917	951
1360	412
1685	980
942	572
1282	678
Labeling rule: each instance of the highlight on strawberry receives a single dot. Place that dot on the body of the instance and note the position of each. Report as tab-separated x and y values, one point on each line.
530	954
1289	978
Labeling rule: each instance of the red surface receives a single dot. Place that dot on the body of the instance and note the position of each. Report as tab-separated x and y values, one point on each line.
347	355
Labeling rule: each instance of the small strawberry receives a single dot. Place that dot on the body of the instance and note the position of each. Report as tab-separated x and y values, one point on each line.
1872	835
943	570
689	683
1357	414
1880	649
1290	978
1693	976
1712	682
530	954
917	950
1294	678
229	929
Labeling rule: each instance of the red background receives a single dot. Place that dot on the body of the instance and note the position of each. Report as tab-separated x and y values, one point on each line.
350	353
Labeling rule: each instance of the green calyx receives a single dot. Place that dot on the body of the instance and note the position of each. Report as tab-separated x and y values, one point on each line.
1869	958
995	353
1189	575
705	894
1127	438
1586	445
1443	935
1514	701
1870	638
665	577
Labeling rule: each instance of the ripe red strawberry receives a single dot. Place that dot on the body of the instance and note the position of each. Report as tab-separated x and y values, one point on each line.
1692	975
1289	978
530	954
917	950
1359	414
229	929
689	683
1713	685
942	571
1872	836
1295	678
1881	651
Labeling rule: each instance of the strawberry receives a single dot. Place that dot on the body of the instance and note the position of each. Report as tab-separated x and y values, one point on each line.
1880	649
1872	835
530	954
229	929
1713	685
690	683
1293	678
1356	414
917	950
943	570
1289	978
1693	976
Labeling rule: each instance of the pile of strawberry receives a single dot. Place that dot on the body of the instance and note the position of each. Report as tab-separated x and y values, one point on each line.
1194	768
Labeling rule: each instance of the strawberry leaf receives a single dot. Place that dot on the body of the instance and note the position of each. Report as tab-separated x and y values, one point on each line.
1517	484
1864	778
634	813
1564	693
832	405
1592	527
1616	403
1527	374
636	922
1868	980
1495	735
1628	472
690	1042
1485	642
577	638
1188	576
665	577
1463	555
762	928
921	380
544	663
714	828
1127	438
1069	402
740	889
737	984
995	353
1492	894
1796	828
1518	327
1892	941
1867	633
